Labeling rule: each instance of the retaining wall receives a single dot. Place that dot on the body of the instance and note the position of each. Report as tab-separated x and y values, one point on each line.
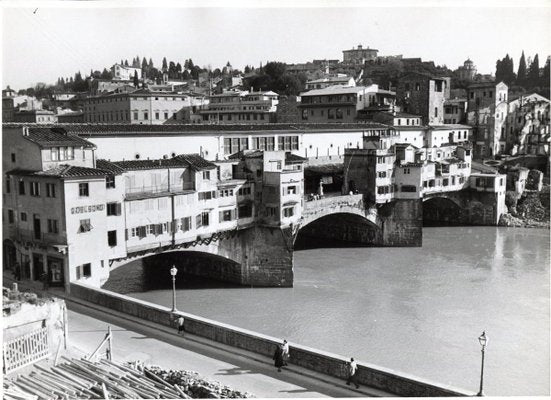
312	359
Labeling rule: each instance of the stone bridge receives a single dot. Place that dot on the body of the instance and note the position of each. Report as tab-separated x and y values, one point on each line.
259	255
463	207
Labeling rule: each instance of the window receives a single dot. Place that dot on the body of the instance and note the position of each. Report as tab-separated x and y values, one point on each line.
145	115
83	189
8	184
21	187
206	195
23	216
12	157
245	211
381	174
406	171
54	155
113	209
50	189
291	190
331	113
271	211
202	219
85	226
244	191
35	189
156	115
87	270
112	238
186	224
435	112
288	212
227	215
339	113
166	115
52	226
110	181
206	175
409	188
135	115
11	217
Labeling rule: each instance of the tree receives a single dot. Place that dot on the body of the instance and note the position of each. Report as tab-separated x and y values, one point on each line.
534	72
545	77
144	64
247	69
185	75
150	66
521	74
126	63
136	81
505	70
165	66
105	74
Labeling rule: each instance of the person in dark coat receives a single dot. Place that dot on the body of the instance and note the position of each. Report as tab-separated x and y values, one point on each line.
278	358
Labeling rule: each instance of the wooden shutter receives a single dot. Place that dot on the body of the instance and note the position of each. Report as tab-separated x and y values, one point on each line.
78	271
126	234
118	209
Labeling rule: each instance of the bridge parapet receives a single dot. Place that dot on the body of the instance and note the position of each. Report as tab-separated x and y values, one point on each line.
349	203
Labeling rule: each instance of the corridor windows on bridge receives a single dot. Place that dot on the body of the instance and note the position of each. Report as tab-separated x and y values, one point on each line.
245	211
83	189
185	224
112	238
113	209
227	215
288	212
225	193
271	211
202	219
381	174
85	226
206	195
406	171
244	191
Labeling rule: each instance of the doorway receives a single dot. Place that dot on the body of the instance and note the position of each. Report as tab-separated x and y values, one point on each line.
38	266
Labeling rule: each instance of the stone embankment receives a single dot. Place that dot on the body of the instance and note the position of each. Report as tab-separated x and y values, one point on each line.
531	210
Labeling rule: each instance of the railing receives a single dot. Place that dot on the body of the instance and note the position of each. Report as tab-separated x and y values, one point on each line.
164	188
25	350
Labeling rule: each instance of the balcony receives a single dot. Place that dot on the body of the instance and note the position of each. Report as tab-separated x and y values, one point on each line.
138	192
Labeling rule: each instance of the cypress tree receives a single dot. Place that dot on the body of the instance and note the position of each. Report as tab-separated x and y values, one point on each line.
534	72
521	75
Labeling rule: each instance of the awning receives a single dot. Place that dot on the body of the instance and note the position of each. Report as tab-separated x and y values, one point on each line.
290	203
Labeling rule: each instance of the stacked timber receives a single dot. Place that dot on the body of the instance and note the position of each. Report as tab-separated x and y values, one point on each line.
105	379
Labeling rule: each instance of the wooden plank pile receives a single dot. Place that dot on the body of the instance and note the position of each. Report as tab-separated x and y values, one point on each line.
84	379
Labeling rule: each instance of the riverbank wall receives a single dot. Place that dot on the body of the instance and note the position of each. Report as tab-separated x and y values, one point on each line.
316	360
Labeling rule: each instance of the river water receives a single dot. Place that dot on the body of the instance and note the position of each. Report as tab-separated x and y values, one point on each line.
415	310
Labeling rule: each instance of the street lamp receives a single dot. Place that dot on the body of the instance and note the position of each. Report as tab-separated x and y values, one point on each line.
483	339
173	272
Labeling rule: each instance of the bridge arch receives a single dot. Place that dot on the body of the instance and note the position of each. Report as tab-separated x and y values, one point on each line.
341	228
442	210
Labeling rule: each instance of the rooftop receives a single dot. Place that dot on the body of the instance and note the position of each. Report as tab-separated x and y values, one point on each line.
62	171
98	130
53	136
194	161
449	126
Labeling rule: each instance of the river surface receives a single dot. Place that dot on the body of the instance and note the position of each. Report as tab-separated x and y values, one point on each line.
415	310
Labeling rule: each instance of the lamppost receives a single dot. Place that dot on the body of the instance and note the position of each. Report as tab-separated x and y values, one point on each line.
173	272
483	339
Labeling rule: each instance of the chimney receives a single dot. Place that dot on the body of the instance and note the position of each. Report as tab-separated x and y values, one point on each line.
25	131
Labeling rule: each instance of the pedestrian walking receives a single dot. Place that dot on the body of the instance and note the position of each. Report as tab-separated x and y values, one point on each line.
285	350
352	368
278	358
44	279
180	322
17	272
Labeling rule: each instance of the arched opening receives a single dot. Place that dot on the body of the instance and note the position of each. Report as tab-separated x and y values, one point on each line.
337	230
195	270
441	211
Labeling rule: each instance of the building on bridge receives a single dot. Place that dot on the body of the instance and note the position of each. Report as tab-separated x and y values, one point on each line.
487	113
71	217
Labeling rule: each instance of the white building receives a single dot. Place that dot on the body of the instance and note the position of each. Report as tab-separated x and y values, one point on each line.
125	73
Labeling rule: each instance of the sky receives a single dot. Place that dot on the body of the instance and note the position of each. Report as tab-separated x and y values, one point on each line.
46	40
